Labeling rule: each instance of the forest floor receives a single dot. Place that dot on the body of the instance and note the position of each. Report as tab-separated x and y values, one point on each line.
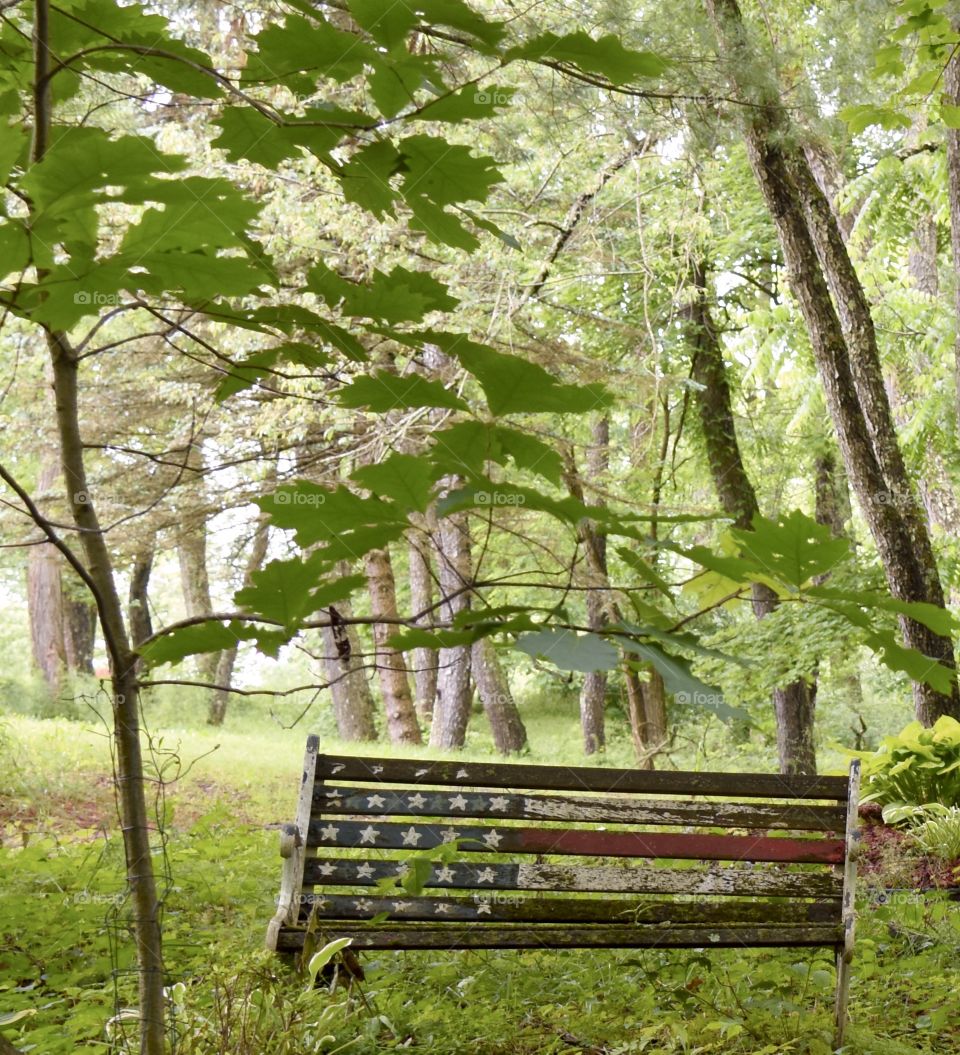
65	952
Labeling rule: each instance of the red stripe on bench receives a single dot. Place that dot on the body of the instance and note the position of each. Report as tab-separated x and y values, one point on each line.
695	847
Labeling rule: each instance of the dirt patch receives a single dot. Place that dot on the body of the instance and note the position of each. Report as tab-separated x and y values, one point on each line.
888	854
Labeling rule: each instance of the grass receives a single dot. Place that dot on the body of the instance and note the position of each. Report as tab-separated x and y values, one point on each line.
65	958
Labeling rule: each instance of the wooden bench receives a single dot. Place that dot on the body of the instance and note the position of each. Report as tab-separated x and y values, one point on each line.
569	857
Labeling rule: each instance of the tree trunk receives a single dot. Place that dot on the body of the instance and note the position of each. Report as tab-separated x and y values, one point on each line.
593	692
98	574
793	704
952	96
100	577
353	707
79	629
844	346
402	726
194	576
454	570
509	734
45	600
425	660
138	607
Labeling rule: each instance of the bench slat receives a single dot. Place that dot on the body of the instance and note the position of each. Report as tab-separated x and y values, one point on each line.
386	835
472	936
765	882
491	908
579	778
379	801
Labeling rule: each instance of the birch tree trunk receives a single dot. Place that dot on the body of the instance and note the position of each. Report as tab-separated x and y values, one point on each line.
451	712
844	347
402	726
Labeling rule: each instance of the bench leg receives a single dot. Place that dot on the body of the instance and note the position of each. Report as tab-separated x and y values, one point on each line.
843	989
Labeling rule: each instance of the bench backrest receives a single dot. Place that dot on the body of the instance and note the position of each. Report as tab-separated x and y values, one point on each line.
560	855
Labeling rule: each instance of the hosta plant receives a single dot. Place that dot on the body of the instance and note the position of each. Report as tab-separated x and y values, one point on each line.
916	767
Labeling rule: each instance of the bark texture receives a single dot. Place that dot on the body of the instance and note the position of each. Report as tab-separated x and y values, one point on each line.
593	692
402	725
952	94
454	570
842	336
424	660
353	706
138	606
192	554
509	733
45	600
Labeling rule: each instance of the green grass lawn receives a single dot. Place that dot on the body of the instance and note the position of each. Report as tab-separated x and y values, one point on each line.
65	959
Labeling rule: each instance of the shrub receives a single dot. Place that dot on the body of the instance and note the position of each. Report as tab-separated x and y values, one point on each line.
917	767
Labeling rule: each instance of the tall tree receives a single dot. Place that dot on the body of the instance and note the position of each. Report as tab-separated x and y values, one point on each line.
451	711
509	733
843	339
424	660
402	725
793	703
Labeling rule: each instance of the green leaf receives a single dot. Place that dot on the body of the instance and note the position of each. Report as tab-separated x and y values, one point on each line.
397	78
260	364
365	178
248	135
467	104
287	590
302	51
606	56
569	650
644	570
387	23
445	173
400	296
85	166
912	662
684	685
514	386
318	514
383	391
416	638
406	479
210	636
792	548
950	115
860	117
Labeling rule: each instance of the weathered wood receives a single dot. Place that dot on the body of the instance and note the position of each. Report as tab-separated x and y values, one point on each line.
580	778
491	907
388	835
729	880
544	936
341	800
848	910
292	849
